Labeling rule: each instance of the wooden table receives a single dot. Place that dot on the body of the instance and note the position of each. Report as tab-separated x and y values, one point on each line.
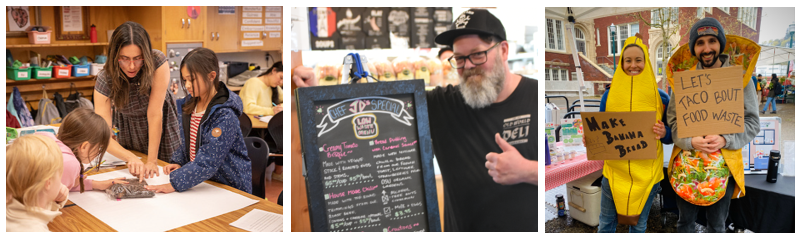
75	218
256	122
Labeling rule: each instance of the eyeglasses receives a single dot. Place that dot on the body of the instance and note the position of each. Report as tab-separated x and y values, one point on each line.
476	59
127	62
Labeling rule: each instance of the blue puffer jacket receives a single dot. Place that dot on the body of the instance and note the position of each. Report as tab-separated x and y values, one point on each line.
221	158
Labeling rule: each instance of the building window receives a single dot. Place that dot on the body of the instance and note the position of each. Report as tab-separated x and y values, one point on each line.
670	13
623	32
707	9
597	37
555	35
700	13
574	76
580	41
556	74
726	10
748	16
660	63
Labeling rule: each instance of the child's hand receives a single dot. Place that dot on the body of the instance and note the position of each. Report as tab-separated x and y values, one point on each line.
105	184
660	130
63	193
164	188
171	167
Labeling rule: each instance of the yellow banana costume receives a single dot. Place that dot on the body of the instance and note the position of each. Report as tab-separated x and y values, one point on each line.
742	52
632	180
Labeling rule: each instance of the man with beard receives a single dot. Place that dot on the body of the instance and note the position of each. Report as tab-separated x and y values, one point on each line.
482	131
707	42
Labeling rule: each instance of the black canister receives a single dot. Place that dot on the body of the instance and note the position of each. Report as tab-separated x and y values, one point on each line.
560	203
772	170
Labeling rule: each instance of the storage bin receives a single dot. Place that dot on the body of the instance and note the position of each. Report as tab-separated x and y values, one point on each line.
96	67
584	198
18	74
36	37
62	71
80	70
42	72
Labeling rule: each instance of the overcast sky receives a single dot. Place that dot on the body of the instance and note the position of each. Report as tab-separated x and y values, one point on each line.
774	21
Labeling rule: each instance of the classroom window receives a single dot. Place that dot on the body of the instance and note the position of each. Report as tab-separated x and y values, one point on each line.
580	41
748	16
555	35
623	32
662	62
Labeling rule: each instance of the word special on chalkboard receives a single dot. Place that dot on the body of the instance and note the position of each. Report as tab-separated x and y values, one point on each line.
368	156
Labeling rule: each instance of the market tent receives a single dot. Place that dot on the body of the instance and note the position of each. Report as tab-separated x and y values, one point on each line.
773	55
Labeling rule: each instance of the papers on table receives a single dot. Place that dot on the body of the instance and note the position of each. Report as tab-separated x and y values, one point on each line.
162	212
265	118
260	221
109	160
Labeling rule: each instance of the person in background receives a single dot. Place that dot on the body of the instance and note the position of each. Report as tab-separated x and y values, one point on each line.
212	146
760	86
775	90
445	53
707	43
34	192
262	95
131	95
757	83
491	179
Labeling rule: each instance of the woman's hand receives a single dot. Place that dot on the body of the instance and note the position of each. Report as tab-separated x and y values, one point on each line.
164	188
660	130
105	184
171	167
150	170
136	167
277	109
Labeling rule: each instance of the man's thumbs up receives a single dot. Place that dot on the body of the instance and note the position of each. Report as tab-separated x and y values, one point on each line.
510	167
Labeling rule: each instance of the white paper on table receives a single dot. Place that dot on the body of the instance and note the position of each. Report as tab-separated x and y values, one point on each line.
110	160
260	221
265	119
162	212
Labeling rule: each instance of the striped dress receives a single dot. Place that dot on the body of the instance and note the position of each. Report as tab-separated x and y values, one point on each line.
131	120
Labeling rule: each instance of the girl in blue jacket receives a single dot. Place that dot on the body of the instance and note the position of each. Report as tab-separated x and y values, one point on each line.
212	145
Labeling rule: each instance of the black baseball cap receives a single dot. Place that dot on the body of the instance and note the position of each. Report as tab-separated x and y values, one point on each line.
473	21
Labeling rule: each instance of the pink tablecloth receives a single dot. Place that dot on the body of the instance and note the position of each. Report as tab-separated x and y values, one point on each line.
557	175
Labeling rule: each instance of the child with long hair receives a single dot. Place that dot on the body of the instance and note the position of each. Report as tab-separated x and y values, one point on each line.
262	95
83	139
212	145
34	194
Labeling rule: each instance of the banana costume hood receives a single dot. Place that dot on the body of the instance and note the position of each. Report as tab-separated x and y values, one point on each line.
632	180
742	52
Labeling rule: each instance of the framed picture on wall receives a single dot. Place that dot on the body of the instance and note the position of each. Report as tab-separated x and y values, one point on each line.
19	19
72	23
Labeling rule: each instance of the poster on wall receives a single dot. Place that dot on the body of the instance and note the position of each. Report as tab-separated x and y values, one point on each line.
19	18
368	157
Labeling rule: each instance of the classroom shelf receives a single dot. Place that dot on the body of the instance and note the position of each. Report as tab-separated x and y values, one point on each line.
55	45
10	82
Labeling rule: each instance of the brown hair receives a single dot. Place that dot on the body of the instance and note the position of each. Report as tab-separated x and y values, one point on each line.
129	33
200	61
31	161
83	125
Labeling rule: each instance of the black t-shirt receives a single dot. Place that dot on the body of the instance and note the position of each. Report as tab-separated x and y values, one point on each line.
462	137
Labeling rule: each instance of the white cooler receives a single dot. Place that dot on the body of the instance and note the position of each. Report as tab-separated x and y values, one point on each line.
584	199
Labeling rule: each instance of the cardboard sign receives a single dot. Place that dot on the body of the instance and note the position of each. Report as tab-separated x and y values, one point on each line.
368	157
619	135
709	101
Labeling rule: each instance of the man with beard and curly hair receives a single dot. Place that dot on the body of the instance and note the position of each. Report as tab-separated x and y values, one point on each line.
482	130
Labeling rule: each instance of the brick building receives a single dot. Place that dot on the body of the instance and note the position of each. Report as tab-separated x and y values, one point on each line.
593	40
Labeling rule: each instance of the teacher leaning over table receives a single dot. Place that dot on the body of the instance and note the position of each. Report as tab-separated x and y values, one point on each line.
131	95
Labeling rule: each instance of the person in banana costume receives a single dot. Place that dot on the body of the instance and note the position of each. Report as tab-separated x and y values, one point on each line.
710	48
629	186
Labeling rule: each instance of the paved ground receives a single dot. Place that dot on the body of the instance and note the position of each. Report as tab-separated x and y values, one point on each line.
657	222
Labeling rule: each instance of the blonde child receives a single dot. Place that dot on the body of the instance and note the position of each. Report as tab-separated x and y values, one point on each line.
212	145
34	194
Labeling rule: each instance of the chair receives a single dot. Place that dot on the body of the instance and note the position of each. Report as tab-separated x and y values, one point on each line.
245	124
280	199
275	128
258	152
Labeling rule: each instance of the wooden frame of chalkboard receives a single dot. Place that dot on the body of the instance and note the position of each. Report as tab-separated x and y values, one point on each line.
308	114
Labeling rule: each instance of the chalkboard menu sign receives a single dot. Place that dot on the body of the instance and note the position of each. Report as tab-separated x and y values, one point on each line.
368	157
